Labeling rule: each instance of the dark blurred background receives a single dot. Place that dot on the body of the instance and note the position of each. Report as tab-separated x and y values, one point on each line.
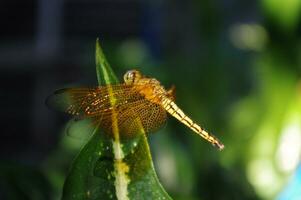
235	64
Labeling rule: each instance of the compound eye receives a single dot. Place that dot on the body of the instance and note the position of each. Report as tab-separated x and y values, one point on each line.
131	76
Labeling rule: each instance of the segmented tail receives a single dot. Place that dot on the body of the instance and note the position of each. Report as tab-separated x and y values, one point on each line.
176	112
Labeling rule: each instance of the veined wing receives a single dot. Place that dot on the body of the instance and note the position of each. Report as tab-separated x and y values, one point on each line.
133	115
91	102
132	109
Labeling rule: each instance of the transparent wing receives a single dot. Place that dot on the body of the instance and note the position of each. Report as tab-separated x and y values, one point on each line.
142	112
89	102
80	129
131	107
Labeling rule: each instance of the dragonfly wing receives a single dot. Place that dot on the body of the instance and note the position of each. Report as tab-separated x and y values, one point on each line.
131	107
88	102
80	129
139	113
155	118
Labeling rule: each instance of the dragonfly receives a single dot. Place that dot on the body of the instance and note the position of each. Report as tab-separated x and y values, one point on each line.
139	101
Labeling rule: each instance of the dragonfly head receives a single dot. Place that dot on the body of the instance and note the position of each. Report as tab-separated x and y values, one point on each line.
132	76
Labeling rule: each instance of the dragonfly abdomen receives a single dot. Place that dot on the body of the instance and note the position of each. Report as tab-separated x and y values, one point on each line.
176	112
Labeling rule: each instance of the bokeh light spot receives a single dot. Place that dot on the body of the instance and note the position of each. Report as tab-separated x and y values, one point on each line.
289	150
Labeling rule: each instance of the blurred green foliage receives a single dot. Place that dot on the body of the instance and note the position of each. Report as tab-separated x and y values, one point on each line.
23	182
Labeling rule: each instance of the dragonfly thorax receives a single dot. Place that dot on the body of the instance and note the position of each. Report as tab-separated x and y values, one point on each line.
151	89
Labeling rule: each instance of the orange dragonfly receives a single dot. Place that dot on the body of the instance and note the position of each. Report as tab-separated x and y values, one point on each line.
140	100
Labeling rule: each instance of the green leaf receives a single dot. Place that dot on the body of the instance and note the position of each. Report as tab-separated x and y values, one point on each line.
113	167
103	68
